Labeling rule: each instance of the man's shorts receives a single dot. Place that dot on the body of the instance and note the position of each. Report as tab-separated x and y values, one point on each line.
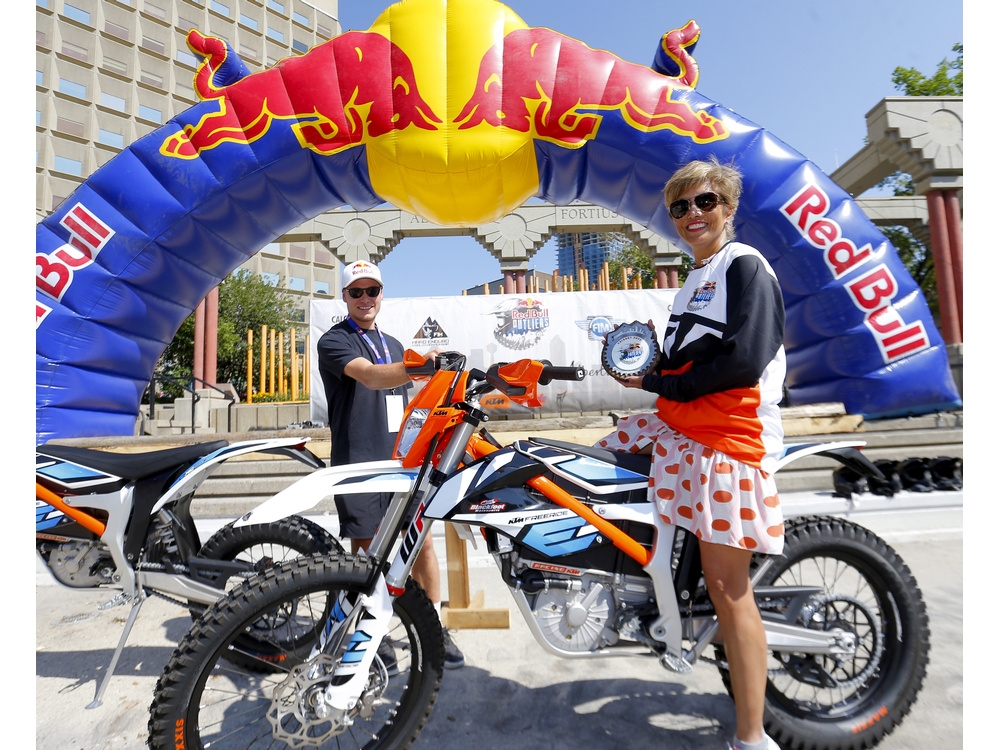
361	514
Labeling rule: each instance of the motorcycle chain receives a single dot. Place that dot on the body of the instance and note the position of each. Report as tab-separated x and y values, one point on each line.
160	567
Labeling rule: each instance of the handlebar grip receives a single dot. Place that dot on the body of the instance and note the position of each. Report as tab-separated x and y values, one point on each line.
552	372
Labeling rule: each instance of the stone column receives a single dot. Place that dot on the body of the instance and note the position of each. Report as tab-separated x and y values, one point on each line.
954	213
198	368
667	277
509	285
675	278
937	217
211	336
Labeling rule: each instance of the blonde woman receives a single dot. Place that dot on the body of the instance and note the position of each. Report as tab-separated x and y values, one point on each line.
716	432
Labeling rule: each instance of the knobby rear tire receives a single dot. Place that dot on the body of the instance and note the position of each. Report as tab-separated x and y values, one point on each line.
862	573
264	545
202	700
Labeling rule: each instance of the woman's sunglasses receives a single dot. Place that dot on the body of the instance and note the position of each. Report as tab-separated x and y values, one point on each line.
371	291
705	202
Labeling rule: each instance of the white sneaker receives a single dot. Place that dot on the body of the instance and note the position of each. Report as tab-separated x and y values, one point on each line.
771	745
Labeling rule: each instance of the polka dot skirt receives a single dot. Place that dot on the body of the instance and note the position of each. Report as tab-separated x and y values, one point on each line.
713	496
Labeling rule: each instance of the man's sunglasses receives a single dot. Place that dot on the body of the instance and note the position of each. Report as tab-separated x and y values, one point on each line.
705	202
371	291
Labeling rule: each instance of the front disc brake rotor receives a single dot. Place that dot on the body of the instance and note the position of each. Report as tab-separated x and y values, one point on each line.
298	715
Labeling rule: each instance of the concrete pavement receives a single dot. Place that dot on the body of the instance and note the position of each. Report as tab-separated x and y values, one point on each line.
512	694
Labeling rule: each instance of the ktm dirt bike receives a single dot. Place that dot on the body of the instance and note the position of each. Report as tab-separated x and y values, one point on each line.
123	521
595	572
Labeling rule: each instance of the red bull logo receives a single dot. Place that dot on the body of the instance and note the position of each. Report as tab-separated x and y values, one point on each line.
450	138
521	324
333	95
550	81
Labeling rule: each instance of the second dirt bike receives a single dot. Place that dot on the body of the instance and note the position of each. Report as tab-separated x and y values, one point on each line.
595	572
123	521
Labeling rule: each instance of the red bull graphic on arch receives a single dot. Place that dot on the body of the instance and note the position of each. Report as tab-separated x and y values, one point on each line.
325	97
532	96
512	112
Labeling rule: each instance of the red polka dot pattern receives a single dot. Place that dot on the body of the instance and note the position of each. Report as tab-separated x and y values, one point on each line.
712	495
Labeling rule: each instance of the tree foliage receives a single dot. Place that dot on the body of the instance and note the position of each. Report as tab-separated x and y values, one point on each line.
627	256
946	81
246	302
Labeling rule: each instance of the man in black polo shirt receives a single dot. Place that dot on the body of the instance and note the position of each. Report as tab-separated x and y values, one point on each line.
366	382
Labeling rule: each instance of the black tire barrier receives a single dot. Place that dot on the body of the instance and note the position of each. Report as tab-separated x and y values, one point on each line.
911	474
946	472
847	482
915	475
891	484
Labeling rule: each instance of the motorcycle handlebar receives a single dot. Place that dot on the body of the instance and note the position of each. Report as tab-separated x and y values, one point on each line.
514	378
552	372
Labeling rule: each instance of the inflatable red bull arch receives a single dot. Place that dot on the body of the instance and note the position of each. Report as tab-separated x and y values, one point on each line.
456	111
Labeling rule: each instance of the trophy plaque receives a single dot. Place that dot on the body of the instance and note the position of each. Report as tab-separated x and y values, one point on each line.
630	350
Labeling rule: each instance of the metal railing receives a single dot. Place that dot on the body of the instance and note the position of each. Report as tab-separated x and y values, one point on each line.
189	387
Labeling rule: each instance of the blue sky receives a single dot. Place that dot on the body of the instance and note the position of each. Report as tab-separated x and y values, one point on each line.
808	72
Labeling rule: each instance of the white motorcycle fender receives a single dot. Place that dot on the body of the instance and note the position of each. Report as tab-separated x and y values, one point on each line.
306	493
199	471
795	451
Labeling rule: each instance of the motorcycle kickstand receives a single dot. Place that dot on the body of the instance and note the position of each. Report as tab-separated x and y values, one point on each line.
132	615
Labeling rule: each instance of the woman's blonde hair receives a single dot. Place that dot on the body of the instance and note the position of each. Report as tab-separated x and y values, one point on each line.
725	179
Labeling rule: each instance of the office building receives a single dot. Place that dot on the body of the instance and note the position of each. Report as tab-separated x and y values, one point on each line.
109	72
575	250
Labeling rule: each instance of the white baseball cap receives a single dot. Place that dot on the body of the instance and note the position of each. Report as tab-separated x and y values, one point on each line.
360	269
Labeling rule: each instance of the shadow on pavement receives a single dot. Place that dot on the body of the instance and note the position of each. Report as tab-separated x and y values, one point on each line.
478	710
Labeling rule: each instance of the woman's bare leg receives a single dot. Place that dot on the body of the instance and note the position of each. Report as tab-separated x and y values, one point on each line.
727	575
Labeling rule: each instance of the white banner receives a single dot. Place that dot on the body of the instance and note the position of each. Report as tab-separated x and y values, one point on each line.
564	328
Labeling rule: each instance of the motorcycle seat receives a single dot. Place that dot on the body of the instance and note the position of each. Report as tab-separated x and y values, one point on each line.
132	466
637	463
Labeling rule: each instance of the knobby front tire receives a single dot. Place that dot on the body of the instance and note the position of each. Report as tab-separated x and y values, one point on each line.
820	703
202	699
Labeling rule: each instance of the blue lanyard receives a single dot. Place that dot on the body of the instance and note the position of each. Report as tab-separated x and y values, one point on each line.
385	346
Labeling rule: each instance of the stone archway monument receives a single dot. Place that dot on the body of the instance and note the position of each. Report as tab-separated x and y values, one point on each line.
513	239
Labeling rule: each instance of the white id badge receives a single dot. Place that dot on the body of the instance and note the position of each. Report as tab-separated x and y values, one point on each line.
394	411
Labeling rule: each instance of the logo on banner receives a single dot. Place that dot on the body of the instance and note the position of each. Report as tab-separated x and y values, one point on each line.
522	324
430	332
598	326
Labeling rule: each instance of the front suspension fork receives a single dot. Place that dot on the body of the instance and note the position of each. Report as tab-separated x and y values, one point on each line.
372	614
